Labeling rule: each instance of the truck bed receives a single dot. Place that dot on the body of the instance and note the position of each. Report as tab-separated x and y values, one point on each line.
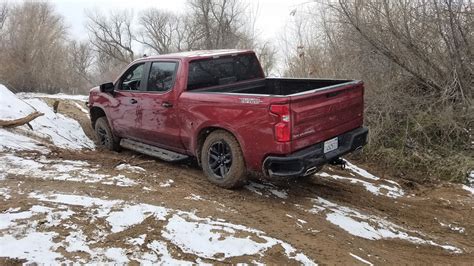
276	86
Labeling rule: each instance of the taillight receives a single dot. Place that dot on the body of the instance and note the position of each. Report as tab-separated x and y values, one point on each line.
283	127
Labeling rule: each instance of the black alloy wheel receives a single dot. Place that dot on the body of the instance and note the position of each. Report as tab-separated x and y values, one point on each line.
220	158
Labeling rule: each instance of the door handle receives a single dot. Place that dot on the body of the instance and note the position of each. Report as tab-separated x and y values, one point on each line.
167	104
133	101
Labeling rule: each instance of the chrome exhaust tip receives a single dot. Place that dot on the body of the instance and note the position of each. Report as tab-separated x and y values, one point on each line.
311	170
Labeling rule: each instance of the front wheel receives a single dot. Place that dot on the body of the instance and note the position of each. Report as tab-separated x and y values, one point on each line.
222	160
104	135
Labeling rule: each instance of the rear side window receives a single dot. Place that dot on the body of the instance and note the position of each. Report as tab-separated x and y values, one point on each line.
161	77
224	70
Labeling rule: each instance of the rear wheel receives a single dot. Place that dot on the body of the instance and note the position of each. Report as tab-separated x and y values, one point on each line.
222	160
104	135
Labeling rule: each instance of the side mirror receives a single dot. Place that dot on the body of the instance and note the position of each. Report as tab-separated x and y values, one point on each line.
107	87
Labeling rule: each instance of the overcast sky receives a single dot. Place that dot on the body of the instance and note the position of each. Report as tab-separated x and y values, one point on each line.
272	14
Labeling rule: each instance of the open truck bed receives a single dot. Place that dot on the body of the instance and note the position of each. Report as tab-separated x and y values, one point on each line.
277	86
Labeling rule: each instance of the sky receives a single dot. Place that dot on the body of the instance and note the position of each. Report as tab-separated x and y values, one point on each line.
272	14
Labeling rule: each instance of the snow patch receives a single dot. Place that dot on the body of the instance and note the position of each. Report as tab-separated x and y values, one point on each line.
4	192
62	131
80	107
61	170
393	190
266	189
117	255
12	139
194	197
470	183
21	239
454	228
369	226
140	240
133	215
361	259
360	171
61	96
52	127
167	183
7	219
34	247
11	107
129	168
219	240
470	189
77	242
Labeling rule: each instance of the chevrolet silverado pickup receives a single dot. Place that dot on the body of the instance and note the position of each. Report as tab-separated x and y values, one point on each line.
218	107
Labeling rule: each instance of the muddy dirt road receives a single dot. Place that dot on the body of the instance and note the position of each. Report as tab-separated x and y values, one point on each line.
99	206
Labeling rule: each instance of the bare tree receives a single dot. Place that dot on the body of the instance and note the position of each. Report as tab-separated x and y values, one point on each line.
81	58
112	35
187	37
428	40
220	22
266	54
3	14
33	48
159	31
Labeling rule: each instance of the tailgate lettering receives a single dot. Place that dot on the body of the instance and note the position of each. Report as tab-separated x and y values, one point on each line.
250	100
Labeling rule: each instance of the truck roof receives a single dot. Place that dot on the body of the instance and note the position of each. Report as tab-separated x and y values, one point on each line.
198	54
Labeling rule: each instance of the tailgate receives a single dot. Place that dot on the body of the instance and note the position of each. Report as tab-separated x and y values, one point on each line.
328	112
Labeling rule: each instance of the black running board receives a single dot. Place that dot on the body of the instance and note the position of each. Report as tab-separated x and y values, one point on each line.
165	155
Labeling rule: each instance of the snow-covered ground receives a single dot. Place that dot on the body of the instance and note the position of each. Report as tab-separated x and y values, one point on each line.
373	184
368	226
50	129
63	170
206	238
10	107
61	96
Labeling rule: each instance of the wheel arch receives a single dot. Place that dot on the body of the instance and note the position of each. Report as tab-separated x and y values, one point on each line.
96	112
204	133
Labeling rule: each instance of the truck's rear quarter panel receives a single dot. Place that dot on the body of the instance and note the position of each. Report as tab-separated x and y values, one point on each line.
247	117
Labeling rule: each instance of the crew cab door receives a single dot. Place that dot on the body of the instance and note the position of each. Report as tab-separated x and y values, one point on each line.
157	108
123	106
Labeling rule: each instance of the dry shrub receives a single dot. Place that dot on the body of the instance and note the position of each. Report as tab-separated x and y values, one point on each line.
416	59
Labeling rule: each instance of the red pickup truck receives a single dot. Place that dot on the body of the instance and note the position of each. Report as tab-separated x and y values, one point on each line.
218	107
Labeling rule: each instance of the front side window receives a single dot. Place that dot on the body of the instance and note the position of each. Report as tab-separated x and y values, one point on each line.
161	77
132	78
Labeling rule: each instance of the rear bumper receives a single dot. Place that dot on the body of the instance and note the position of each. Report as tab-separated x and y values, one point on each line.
304	161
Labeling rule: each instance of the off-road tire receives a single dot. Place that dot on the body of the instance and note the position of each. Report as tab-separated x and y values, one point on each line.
237	172
104	135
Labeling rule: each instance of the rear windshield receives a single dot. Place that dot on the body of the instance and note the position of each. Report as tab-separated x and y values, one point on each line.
223	70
